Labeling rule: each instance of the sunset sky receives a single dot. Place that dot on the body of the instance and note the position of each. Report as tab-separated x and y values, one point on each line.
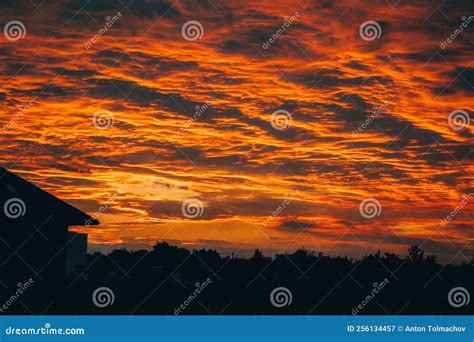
189	116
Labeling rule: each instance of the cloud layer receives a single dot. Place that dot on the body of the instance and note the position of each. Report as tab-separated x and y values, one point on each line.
192	118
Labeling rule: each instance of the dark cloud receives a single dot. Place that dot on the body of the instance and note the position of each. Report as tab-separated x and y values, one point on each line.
296	226
145	9
357	65
464	79
144	65
173	209
74	73
333	78
134	93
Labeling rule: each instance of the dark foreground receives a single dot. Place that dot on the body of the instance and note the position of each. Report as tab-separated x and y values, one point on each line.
171	281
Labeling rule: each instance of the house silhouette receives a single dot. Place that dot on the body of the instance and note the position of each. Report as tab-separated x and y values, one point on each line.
34	238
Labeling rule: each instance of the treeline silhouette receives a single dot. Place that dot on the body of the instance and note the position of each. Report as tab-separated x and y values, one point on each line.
162	280
165	281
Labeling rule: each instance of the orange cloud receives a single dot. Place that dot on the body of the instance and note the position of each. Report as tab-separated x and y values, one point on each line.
192	118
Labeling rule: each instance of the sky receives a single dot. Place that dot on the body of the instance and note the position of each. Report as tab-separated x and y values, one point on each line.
339	126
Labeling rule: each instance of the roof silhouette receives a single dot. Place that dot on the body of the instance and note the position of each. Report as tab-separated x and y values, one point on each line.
39	203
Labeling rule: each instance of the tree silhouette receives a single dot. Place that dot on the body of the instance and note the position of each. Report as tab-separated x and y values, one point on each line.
416	254
158	281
